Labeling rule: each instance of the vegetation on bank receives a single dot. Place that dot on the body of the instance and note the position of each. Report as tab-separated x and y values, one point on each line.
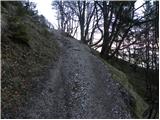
133	80
136	77
138	105
28	49
136	102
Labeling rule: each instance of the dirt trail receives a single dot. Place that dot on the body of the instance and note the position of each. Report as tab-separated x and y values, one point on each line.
79	86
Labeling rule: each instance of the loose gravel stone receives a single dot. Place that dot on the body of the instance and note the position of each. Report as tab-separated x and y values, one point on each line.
79	86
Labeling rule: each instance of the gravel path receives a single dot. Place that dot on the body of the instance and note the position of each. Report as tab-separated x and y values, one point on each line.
79	86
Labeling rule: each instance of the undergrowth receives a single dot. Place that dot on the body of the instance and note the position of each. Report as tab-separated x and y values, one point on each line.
28	50
140	105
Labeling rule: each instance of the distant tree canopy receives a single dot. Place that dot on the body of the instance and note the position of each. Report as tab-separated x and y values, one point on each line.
123	33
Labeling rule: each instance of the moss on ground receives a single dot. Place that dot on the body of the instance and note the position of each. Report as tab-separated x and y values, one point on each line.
136	77
134	81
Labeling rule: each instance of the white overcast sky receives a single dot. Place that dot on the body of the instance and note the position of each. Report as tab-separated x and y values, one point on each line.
44	7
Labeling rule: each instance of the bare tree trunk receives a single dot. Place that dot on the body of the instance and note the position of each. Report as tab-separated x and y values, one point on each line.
104	50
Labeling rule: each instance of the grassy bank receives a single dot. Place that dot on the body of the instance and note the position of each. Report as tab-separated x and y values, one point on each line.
28	49
139	105
137	78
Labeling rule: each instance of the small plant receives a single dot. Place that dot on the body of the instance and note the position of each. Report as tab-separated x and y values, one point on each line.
21	34
19	31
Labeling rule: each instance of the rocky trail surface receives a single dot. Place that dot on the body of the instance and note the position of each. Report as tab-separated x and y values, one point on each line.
78	86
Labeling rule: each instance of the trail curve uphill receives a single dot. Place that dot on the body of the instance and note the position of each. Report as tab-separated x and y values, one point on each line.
79	86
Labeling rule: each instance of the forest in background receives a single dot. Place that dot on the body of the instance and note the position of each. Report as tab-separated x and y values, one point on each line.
128	41
126	37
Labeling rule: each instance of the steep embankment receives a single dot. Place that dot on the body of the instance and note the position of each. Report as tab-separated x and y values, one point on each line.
27	49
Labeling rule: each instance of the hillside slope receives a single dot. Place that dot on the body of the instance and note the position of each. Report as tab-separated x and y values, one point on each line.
28	49
78	87
46	74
